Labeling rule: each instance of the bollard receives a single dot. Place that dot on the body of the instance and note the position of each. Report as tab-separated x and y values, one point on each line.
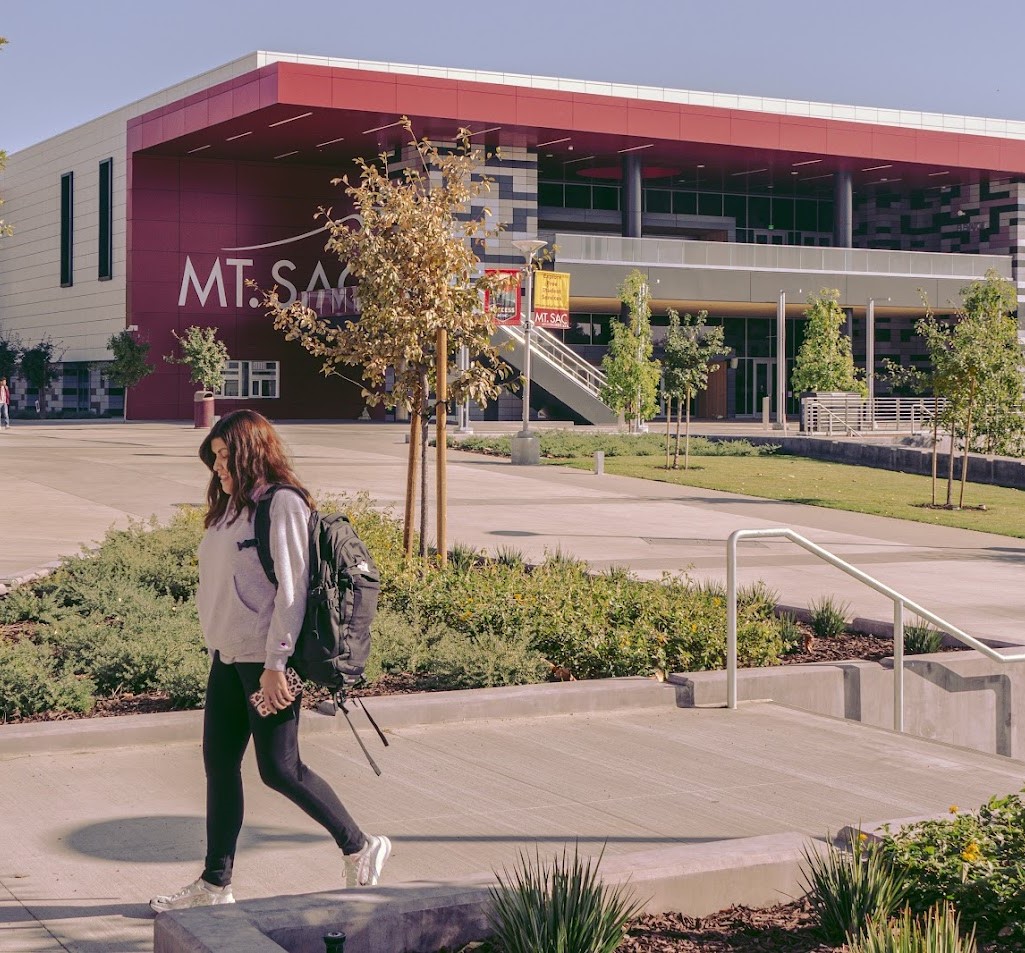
334	943
599	461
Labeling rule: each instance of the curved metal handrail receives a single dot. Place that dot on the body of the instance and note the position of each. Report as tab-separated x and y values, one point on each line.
562	356
900	603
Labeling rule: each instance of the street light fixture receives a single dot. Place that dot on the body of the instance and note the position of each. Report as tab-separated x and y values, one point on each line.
528	247
781	359
870	357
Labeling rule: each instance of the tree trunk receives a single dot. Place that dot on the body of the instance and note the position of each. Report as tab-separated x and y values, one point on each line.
669	422
411	481
676	451
686	443
950	469
441	415
424	433
935	451
124	408
967	447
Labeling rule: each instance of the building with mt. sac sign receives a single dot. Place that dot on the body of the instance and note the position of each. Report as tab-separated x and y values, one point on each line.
155	217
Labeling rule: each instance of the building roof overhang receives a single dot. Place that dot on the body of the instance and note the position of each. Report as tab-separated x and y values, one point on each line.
313	114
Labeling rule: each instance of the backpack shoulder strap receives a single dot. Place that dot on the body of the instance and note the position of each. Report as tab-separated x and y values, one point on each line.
261	524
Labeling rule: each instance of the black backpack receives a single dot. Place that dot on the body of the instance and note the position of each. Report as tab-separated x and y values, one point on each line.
345	585
332	647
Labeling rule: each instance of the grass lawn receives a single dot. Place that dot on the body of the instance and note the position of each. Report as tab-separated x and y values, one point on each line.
836	485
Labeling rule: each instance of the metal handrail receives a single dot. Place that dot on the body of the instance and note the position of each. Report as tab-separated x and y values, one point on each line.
900	603
562	356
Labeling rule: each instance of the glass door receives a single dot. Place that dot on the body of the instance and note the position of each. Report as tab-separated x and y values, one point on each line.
764	384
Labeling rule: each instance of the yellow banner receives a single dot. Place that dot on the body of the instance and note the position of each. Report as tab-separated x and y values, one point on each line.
551	299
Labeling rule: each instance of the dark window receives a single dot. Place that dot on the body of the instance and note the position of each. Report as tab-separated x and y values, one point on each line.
783	214
67	228
806	217
735	207
606	197
658	200
758	212
710	203
550	193
685	203
578	196
106	249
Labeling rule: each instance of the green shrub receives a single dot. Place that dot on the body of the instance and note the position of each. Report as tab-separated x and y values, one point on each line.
456	659
939	931
184	679
922	639
972	859
790	633
851	890
569	444
559	907
123	617
30	682
828	617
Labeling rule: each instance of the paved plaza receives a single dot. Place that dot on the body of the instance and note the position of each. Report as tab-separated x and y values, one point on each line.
99	817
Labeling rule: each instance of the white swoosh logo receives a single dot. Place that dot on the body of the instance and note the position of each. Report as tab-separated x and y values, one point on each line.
289	241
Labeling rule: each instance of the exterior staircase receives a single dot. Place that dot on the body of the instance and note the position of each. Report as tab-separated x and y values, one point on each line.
558	369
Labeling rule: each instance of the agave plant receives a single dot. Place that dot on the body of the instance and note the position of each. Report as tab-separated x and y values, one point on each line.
851	890
939	931
559	906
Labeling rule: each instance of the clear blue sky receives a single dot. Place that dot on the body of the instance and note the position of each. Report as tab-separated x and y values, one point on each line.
69	61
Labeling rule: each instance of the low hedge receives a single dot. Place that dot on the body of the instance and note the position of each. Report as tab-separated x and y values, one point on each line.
122	619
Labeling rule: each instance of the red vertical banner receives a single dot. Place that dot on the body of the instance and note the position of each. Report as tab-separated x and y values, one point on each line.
506	300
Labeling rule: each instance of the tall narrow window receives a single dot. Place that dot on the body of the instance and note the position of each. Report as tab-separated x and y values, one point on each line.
67	228
106	249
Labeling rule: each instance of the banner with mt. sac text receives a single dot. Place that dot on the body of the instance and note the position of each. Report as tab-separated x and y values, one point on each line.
551	299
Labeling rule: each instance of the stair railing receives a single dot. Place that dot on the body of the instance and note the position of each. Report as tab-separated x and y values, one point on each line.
543	342
900	603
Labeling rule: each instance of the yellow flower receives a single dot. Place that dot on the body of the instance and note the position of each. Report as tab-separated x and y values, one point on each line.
953	808
862	836
971	853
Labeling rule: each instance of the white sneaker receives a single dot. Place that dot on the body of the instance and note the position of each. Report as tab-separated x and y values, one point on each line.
197	894
364	869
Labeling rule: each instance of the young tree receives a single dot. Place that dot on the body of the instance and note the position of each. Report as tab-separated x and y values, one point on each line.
10	353
910	381
631	386
203	354
420	296
690	345
37	368
977	365
129	366
824	361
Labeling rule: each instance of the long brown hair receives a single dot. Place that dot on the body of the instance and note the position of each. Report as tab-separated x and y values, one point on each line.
256	457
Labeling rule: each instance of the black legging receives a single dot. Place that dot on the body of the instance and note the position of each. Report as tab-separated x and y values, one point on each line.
228	723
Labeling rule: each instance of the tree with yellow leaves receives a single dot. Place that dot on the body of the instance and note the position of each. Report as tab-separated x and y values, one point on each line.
420	296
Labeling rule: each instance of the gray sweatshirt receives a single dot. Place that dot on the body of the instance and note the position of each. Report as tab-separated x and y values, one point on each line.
243	615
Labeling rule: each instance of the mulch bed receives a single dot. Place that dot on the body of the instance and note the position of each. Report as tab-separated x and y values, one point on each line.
786	928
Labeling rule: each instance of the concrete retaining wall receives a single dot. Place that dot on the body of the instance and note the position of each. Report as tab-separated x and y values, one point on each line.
998	471
960	698
695	879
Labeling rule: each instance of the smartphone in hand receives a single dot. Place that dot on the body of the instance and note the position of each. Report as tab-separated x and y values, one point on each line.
295	686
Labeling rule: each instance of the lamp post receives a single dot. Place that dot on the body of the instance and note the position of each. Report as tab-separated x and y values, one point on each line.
781	361
870	357
526	448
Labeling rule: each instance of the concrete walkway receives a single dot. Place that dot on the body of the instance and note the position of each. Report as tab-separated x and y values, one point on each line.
66	484
98	818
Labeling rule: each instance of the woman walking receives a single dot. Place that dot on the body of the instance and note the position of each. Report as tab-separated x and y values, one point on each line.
250	627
